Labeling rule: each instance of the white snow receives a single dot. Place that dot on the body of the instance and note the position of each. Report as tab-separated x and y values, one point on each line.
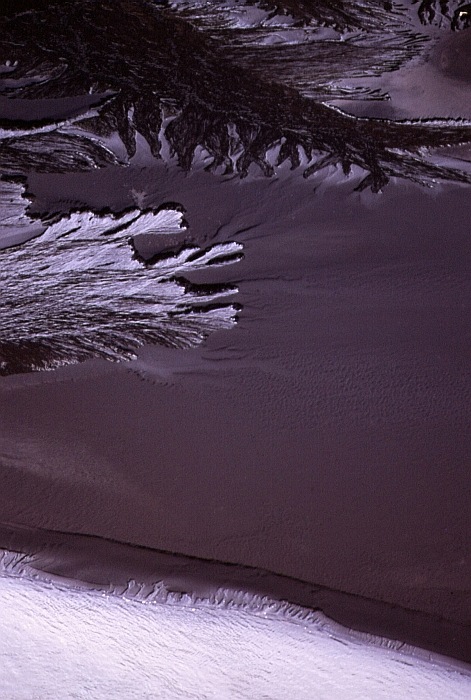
78	290
60	642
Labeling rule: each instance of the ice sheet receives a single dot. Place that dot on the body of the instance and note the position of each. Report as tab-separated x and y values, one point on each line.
57	641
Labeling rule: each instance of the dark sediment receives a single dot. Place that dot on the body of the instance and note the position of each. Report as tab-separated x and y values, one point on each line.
325	438
321	447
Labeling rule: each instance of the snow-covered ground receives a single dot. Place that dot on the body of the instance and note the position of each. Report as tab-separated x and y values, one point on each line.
60	642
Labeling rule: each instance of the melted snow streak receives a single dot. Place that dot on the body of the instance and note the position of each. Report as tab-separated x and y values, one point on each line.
452	13
170	70
12	206
80	290
315	67
301	45
15	226
340	14
50	148
58	639
53	152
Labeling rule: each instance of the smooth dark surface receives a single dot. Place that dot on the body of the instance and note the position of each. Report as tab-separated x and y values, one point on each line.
324	441
326	438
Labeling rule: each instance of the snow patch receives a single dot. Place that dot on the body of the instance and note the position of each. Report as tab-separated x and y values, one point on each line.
59	641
